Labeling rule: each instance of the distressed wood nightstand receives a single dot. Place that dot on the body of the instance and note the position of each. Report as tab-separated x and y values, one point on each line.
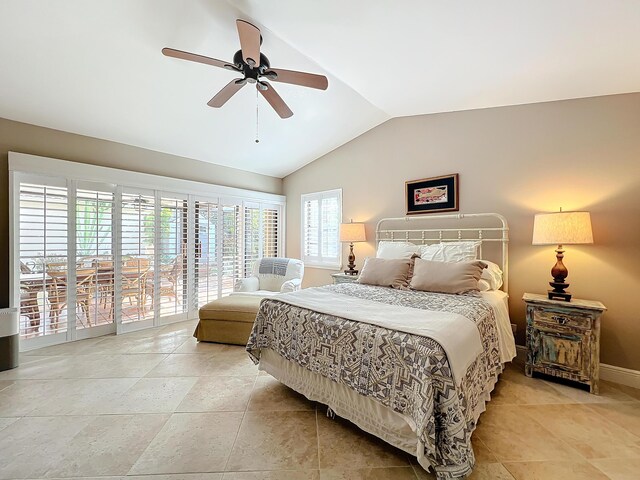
343	278
563	338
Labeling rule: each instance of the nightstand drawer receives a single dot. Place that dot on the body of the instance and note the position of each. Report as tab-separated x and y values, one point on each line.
549	318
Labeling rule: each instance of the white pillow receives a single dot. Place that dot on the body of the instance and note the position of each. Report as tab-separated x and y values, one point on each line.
433	253
450	251
491	278
395	250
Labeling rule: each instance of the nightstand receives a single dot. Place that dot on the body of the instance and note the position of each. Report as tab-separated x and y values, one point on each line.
563	338
343	278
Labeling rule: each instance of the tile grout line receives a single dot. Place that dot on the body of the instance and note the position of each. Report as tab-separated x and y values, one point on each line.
508	471
595	410
134	463
586	461
532	419
235	439
558	438
413	467
589	461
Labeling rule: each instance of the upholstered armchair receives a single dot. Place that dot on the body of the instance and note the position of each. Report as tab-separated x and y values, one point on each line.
272	275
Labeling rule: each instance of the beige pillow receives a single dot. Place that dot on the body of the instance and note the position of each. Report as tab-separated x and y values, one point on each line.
446	277
386	272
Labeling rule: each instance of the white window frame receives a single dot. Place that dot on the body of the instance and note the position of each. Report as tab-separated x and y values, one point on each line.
36	169
332	263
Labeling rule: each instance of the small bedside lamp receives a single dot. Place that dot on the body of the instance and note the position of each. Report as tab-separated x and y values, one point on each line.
561	228
352	232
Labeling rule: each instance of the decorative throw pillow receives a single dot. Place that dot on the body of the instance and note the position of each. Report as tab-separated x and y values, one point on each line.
446	277
450	251
386	272
391	250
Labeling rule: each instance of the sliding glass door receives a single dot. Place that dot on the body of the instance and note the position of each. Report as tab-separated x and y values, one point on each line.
95	259
138	240
208	261
173	256
42	257
99	258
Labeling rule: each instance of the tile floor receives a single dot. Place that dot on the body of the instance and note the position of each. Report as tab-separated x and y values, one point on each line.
156	405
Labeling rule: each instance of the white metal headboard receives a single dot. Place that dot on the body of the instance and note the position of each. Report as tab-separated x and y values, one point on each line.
485	227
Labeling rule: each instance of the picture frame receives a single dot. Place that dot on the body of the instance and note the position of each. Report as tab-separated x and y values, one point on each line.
430	195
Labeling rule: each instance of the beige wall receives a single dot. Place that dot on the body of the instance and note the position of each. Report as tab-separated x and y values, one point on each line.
24	138
578	154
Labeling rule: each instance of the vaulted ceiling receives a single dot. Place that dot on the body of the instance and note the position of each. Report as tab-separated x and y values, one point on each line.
94	67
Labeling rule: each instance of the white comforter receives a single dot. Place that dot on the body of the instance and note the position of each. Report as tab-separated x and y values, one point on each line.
458	336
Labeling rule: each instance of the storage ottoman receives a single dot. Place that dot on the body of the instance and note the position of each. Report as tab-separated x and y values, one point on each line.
228	319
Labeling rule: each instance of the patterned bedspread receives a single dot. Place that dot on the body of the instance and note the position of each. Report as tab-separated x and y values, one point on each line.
407	373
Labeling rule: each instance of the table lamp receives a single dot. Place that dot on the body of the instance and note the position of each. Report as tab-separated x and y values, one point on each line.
561	228
352	232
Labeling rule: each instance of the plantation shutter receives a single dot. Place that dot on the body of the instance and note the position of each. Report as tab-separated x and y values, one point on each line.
270	240
95	260
172	238
232	260
138	255
329	229
252	234
43	256
321	216
207	251
94	256
311	212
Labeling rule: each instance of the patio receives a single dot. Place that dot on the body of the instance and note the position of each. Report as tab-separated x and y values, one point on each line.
44	293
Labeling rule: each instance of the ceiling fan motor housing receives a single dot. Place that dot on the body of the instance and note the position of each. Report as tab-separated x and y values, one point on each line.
252	73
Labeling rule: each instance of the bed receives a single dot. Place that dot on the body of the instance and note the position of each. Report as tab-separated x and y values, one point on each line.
413	368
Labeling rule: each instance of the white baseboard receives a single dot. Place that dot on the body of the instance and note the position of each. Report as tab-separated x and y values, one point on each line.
610	373
623	376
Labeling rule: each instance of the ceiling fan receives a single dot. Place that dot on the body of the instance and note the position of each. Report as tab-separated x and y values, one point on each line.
255	67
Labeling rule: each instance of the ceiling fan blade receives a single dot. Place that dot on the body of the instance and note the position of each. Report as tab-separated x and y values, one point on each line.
298	78
249	42
228	91
192	57
274	100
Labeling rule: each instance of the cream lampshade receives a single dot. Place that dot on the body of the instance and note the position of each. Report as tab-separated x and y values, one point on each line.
561	228
352	232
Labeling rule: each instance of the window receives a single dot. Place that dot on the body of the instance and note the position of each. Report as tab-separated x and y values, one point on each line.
138	255
207	257
95	257
321	217
43	245
172	241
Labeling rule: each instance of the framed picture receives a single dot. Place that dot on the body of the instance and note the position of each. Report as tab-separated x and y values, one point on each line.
436	194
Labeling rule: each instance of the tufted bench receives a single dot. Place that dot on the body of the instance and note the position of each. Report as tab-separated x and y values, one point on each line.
228	319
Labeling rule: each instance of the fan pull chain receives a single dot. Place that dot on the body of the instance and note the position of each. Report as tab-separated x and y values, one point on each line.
257	118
